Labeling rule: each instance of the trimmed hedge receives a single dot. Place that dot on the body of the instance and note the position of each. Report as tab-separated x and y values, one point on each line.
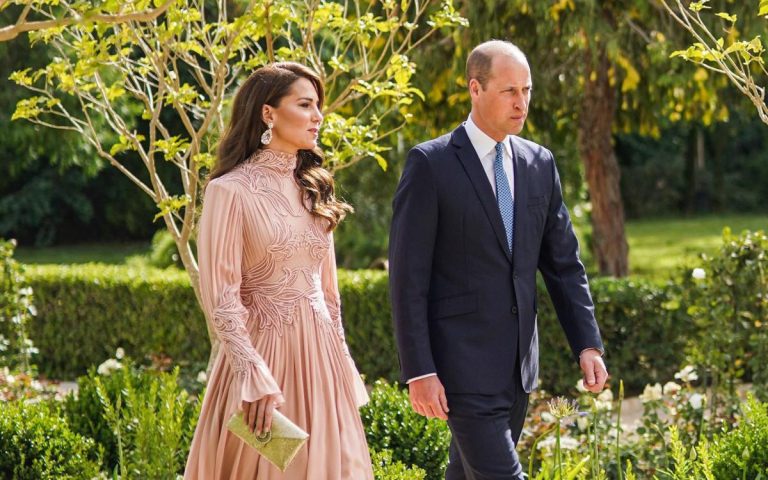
644	334
86	311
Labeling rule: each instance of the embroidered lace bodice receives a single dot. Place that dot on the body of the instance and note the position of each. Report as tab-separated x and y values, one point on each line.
270	256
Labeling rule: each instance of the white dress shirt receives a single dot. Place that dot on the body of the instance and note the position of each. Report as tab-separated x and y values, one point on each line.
485	147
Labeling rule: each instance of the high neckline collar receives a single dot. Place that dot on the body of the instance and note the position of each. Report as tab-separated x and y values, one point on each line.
283	161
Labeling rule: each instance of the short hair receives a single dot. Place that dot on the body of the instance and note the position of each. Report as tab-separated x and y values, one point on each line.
481	57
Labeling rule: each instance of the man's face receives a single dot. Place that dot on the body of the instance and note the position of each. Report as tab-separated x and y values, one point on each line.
502	107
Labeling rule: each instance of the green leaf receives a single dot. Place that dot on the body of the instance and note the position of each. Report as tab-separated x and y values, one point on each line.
21	77
698	6
125	144
727	16
172	146
28	108
204	160
172	204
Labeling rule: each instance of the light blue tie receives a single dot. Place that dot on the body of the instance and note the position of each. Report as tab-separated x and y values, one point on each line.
504	195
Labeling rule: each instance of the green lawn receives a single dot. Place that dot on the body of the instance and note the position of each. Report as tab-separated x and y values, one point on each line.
111	253
658	247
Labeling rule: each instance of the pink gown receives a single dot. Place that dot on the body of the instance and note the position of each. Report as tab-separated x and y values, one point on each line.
268	281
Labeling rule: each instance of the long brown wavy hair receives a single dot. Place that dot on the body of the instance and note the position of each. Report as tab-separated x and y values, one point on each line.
268	85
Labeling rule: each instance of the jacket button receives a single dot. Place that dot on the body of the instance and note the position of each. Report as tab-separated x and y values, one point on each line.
514	310
514	276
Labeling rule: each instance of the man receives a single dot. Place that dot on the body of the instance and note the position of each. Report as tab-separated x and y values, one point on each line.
476	213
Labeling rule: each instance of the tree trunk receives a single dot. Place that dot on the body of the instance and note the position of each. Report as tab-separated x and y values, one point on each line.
696	197
602	170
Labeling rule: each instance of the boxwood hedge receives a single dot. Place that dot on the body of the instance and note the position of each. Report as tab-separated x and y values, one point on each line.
86	311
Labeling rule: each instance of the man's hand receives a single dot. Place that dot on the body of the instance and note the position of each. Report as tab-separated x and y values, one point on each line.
428	397
595	374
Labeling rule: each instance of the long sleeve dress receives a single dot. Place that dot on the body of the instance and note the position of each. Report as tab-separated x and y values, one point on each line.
268	281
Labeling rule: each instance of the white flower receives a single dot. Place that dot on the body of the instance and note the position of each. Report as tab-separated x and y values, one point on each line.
699	274
119	353
687	374
604	401
202	377
603	405
671	388
605	396
109	366
651	393
578	212
582	423
566	443
547	417
696	401
580	386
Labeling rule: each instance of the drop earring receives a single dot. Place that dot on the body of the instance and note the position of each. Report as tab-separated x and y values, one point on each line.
266	137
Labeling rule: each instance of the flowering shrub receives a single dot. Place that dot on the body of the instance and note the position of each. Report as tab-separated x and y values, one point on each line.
16	309
727	299
679	435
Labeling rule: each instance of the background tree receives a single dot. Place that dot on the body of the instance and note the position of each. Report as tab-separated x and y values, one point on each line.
725	53
163	86
600	70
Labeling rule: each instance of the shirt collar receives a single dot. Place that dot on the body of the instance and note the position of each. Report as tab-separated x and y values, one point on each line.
484	145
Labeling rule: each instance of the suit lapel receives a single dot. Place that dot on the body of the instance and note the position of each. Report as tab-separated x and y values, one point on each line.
519	163
479	179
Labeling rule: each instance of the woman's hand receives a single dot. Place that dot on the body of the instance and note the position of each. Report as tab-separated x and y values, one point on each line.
258	414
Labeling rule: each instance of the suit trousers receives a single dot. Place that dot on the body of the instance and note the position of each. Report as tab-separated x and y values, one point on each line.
485	430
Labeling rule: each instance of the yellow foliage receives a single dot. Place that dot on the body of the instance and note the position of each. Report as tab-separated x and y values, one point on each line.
701	75
560	6
632	78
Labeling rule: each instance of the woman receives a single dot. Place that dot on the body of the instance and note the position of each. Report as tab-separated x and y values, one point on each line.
268	281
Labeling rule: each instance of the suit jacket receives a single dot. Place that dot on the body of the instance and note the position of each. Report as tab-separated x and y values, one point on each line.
463	306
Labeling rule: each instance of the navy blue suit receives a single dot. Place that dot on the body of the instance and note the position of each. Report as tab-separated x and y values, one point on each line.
463	306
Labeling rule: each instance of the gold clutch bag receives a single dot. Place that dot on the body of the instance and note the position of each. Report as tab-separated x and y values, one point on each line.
280	445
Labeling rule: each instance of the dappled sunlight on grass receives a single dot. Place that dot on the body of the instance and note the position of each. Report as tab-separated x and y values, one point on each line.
659	247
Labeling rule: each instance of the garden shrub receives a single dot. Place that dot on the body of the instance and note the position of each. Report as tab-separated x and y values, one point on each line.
163	252
644	338
87	311
368	323
384	468
16	311
391	424
142	418
727	300
36	444
743	451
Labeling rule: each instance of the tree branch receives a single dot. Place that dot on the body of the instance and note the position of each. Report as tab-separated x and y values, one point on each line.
22	26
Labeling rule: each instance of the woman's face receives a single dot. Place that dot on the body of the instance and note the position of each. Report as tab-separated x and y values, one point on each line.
296	119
